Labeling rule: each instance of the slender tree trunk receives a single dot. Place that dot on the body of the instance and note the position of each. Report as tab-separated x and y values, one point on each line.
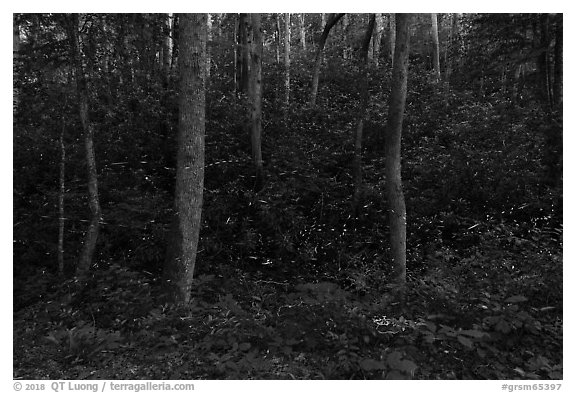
392	37
244	51
235	76
516	85
91	238
365	97
302	20
558	63
377	38
333	19
503	79
62	191
277	37
15	34
255	96
436	47
181	255
286	68
208	46
322	24
166	128
396	204
371	46
446	48
345	40
15	51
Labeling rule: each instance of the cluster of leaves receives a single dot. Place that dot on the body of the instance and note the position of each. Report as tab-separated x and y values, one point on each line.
252	327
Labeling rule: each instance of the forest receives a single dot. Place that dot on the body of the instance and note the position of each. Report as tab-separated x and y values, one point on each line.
288	196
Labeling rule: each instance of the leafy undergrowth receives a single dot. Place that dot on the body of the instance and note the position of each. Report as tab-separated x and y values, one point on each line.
464	321
291	285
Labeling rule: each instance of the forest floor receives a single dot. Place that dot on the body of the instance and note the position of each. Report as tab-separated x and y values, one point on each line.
290	285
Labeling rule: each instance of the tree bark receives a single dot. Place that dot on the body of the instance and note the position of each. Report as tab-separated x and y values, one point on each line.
558	64
332	20
166	128
435	47
15	34
15	52
235	61
91	238
346	42
396	203
286	68
365	96
516	85
377	38
255	97
181	255
392	37
302	20
62	191
208	46
277	37
244	52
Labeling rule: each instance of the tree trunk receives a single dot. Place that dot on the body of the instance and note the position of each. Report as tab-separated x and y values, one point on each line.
302	20
345	40
208	46
332	20
15	34
392	37
91	238
15	52
244	52
62	191
181	255
435	47
235	62
370	54
503	73
396	204
286	67
377	38
255	97
365	96
166	128
516	85
322	24
558	64
277	37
